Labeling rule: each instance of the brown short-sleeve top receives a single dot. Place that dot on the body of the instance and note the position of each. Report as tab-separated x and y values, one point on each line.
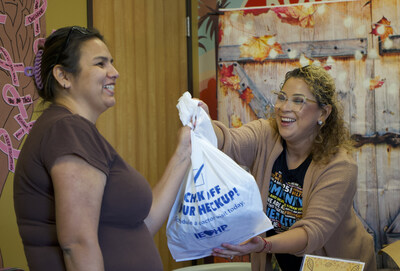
124	239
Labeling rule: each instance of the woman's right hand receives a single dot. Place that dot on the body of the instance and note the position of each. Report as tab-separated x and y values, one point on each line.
255	244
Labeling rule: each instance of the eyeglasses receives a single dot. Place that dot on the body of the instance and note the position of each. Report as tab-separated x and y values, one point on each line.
297	100
66	43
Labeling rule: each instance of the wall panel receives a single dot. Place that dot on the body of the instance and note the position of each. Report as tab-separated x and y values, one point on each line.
147	40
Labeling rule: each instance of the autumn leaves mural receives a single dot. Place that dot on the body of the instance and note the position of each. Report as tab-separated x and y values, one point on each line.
268	47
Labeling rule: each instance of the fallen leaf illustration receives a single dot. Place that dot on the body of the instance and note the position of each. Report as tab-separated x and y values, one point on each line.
259	48
375	83
382	28
302	15
232	82
236	122
256	12
247	95
228	80
226	71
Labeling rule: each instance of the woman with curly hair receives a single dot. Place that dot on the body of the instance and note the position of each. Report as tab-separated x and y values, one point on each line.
301	159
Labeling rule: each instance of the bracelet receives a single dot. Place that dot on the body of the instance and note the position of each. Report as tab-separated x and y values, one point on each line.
267	245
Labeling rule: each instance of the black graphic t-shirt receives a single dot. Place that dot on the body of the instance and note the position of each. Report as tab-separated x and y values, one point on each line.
285	203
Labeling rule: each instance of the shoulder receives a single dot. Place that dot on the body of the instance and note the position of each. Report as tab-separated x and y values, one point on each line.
343	158
74	122
60	119
57	115
60	128
341	166
71	134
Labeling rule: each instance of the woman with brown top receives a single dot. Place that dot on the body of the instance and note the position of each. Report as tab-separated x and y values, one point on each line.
79	205
302	162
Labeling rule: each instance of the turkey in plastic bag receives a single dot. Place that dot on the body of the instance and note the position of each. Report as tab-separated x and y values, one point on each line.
218	201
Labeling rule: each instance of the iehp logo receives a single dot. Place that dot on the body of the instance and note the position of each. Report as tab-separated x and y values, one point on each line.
211	233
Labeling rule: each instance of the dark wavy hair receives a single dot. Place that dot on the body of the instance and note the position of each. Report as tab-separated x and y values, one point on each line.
334	133
61	47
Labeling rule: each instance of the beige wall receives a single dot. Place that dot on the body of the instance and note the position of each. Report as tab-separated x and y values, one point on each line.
59	13
64	13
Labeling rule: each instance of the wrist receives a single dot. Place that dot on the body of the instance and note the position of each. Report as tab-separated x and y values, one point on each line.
181	154
267	246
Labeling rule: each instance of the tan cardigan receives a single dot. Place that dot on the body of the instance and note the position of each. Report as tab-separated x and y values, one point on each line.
332	226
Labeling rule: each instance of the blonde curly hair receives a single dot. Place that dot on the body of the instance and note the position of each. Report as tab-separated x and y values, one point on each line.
334	133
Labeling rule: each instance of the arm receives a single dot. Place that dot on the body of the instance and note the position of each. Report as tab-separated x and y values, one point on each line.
164	193
78	189
290	241
327	202
325	206
241	144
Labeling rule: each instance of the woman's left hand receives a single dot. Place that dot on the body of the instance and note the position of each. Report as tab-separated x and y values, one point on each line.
229	251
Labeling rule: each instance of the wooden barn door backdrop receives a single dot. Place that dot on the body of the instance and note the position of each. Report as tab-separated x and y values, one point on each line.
358	42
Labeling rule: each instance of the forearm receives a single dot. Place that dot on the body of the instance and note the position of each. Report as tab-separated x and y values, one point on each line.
291	241
164	193
83	257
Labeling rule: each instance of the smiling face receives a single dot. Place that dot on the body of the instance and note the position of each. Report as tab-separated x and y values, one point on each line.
298	127
92	89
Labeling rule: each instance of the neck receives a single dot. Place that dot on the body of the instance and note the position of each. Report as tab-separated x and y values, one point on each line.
75	108
296	154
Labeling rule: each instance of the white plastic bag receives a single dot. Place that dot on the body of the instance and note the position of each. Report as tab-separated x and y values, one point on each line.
218	201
